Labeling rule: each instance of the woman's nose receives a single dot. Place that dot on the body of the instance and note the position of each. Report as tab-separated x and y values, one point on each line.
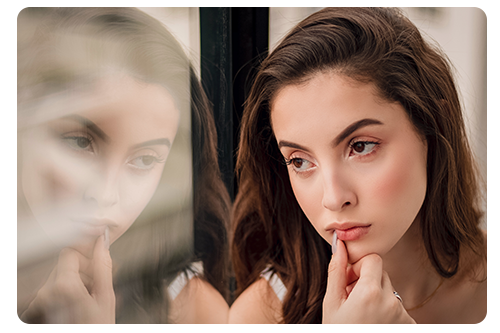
338	192
103	188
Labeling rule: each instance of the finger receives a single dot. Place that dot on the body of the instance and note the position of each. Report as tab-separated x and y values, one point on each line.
103	275
52	277
350	287
386	282
68	281
33	314
388	288
351	275
369	269
70	260
337	280
87	281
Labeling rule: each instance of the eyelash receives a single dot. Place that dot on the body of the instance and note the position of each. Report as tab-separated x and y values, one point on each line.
365	142
67	139
292	160
352	145
81	150
150	166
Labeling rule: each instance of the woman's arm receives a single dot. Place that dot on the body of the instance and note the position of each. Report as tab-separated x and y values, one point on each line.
258	304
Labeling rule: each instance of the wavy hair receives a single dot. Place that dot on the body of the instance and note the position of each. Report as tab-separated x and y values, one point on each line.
376	45
64	48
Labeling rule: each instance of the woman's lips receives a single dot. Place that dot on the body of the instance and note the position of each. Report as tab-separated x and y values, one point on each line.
353	233
92	226
92	229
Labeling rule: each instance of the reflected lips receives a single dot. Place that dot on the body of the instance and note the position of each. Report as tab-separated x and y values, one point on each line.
93	227
353	233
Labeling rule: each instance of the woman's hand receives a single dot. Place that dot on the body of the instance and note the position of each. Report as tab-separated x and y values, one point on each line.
78	290
368	300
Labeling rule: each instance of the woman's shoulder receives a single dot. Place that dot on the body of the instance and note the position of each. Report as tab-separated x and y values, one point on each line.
199	303
258	304
468	289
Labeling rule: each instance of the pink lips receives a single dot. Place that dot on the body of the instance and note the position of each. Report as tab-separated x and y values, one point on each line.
349	231
353	233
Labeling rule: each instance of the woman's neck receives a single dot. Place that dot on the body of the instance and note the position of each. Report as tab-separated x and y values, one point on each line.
410	270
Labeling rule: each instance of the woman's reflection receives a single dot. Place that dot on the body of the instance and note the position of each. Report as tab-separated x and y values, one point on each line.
115	134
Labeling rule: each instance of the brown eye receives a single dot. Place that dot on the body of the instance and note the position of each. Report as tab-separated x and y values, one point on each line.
147	160
297	162
362	148
359	147
79	143
82	142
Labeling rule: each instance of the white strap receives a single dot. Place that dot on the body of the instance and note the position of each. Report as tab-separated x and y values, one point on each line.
275	283
183	278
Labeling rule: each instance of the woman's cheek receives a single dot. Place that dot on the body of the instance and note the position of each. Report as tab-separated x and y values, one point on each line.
52	179
135	193
309	195
397	195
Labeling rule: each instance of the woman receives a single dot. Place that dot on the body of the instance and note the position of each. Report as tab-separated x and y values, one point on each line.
353	143
105	96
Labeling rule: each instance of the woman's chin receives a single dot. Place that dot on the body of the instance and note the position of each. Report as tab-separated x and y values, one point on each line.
355	253
85	246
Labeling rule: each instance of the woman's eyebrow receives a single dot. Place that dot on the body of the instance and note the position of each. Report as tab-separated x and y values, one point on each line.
162	141
341	137
90	125
354	127
289	144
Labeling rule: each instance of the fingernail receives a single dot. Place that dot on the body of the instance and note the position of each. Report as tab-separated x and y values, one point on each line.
334	242
106	238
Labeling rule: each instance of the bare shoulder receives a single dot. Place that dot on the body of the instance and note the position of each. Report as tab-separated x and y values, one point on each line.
199	303
467	292
258	304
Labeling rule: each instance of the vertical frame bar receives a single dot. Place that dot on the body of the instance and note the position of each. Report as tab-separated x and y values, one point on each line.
216	76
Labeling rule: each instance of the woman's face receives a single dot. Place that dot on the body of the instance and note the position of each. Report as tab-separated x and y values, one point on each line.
356	163
97	162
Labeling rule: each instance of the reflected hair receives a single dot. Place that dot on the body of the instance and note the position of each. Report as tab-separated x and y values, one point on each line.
60	49
370	45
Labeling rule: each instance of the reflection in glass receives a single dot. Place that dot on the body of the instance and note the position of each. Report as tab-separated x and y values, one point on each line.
116	145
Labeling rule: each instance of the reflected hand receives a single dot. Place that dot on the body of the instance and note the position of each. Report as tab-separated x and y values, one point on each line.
78	290
367	299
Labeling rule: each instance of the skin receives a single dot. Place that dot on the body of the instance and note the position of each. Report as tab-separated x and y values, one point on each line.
199	303
354	162
97	166
382	186
373	177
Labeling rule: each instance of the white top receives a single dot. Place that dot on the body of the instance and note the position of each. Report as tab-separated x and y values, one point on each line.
275	283
182	279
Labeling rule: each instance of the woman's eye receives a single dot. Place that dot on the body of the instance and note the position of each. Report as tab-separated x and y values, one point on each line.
145	162
300	164
79	143
363	147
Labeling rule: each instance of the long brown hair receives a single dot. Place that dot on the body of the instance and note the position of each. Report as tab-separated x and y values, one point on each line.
383	47
131	40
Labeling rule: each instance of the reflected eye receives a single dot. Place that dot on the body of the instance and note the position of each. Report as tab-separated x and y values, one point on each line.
79	143
145	162
363	147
